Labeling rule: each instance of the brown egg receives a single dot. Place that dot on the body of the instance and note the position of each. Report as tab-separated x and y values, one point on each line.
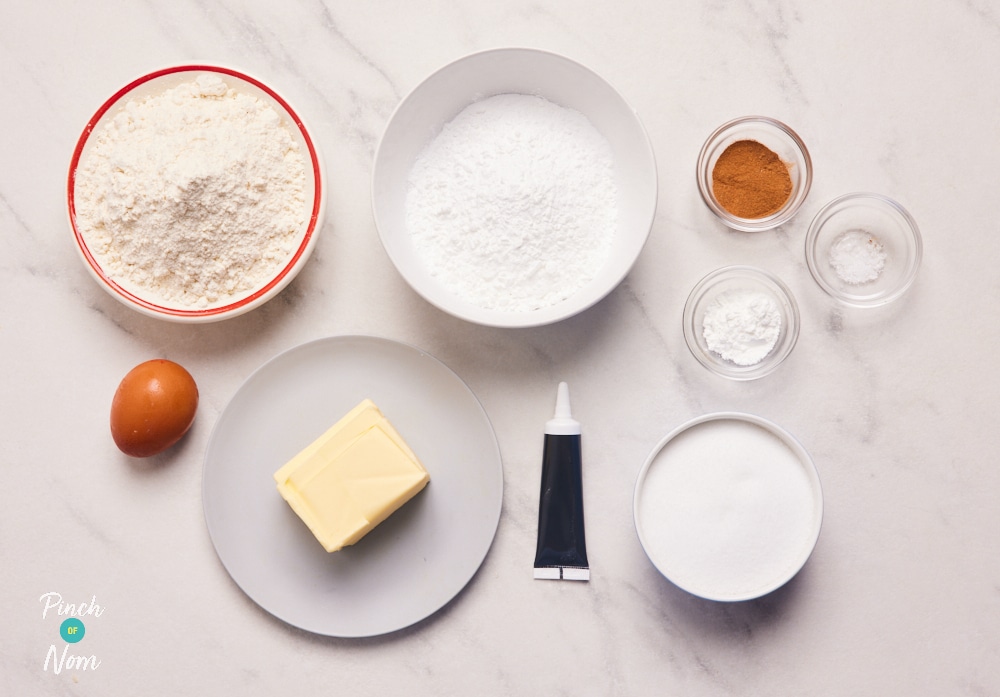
153	407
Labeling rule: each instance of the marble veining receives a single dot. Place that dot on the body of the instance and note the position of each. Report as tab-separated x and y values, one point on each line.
896	406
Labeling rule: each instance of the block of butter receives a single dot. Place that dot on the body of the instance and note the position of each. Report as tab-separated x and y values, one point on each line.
351	478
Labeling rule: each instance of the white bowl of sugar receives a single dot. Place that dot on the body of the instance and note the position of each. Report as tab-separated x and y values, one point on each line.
728	506
195	194
514	187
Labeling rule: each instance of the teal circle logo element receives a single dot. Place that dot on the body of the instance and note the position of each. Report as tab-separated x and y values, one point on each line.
72	630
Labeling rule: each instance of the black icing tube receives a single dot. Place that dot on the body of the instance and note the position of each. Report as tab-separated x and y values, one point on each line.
562	546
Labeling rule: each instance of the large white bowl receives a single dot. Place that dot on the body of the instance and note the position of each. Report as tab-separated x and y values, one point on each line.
142	300
728	506
440	97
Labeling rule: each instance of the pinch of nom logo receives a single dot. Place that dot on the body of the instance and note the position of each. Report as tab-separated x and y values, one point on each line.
72	630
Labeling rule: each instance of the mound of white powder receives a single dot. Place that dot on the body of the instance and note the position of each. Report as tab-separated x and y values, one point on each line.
192	196
742	326
513	206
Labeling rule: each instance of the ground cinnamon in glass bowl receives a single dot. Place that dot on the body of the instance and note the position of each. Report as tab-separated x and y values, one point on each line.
750	181
754	173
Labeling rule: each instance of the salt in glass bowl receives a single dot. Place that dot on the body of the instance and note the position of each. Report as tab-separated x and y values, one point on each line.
440	97
887	224
144	300
777	137
733	278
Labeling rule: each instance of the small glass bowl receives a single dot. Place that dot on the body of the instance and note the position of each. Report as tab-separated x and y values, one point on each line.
777	137
888	224
731	278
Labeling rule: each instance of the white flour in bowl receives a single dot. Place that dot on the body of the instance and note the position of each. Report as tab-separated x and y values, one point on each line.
193	196
513	206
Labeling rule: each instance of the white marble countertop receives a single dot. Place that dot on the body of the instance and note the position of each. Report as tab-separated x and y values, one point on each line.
902	593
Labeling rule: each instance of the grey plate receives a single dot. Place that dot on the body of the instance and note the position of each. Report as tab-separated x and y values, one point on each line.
409	566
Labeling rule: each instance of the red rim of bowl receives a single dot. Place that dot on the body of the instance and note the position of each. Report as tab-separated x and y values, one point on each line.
242	303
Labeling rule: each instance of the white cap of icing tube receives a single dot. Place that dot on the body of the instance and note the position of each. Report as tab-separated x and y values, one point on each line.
562	422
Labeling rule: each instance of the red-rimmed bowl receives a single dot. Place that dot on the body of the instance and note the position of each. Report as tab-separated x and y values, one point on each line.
283	268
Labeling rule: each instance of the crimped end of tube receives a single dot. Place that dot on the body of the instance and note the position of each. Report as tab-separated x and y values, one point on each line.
562	573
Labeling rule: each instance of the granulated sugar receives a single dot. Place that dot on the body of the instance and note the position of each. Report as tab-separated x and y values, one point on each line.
194	195
513	206
727	509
